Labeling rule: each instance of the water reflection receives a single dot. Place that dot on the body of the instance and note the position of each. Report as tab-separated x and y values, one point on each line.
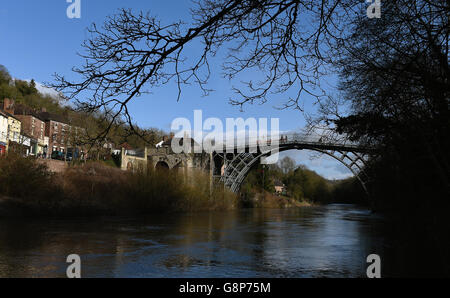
328	241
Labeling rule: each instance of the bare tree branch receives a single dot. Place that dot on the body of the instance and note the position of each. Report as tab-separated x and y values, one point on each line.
131	54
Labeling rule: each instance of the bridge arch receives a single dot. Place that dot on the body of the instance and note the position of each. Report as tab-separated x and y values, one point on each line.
162	165
238	168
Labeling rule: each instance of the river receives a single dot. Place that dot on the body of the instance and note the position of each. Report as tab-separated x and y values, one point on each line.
325	241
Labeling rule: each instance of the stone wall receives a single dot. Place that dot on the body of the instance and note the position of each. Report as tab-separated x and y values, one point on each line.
133	163
56	166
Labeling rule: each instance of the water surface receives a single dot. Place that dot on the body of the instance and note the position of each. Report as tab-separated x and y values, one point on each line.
327	241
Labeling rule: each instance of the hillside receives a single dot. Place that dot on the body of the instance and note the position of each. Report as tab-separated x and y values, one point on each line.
36	96
300	184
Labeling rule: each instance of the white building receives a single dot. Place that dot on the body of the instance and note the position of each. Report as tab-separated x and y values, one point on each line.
25	141
3	132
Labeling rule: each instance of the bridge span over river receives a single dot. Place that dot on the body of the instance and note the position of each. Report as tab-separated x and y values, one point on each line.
234	166
231	164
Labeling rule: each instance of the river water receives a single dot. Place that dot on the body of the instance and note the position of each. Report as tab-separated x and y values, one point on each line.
326	241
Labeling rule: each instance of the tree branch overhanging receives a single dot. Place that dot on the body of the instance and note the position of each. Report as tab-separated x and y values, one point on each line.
131	54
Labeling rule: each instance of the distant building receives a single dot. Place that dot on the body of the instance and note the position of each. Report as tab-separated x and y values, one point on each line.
33	127
38	132
125	146
26	143
279	187
14	123
57	130
109	145
3	132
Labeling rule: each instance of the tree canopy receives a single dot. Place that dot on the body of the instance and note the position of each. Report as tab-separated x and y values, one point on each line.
24	92
288	42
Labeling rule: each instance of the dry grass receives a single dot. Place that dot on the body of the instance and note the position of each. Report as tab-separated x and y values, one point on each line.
94	188
271	201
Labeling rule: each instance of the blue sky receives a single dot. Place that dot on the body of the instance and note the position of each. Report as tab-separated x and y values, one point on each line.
38	40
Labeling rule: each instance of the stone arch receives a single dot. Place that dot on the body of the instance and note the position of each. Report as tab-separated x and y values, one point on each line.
129	166
140	167
162	165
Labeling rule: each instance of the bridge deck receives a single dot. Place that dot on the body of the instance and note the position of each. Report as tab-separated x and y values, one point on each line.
292	143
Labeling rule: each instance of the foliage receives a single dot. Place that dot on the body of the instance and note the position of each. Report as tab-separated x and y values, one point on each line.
287	165
134	52
95	188
302	184
395	77
260	177
25	93
349	191
5	77
397	86
24	178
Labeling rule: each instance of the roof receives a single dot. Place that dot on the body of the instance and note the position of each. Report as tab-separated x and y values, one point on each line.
168	143
126	146
5	113
20	109
278	183
46	116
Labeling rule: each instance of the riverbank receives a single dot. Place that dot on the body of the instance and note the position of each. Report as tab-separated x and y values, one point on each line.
268	200
29	188
16	208
20	207
25	207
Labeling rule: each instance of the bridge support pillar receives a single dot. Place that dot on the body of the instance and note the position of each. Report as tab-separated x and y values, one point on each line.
211	175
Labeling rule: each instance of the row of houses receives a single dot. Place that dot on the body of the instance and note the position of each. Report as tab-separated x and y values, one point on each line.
32	132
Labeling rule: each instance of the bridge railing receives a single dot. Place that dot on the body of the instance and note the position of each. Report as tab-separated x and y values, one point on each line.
289	138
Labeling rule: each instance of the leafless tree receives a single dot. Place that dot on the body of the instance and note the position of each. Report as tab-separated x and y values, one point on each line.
287	165
286	41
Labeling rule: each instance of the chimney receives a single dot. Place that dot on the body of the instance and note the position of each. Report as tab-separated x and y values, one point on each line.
8	105
43	110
